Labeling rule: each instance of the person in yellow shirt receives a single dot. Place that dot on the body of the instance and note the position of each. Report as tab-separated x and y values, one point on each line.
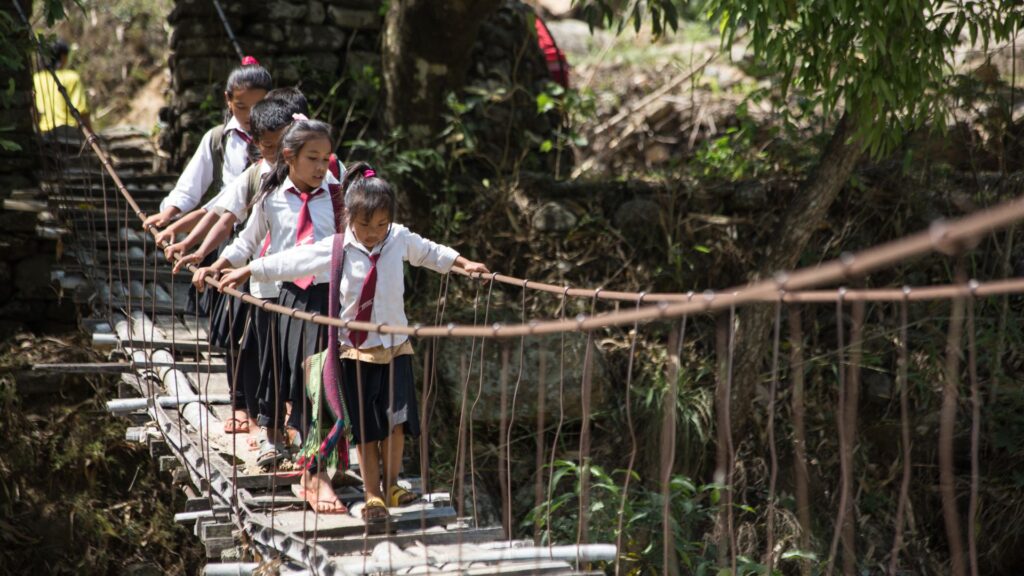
50	104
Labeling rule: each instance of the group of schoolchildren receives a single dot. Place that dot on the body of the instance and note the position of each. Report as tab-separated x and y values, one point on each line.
269	206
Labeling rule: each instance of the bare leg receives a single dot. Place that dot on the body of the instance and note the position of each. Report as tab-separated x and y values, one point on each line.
369	467
392	447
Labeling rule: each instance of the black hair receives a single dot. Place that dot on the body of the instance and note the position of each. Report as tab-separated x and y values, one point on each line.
58	50
252	76
247	78
366	195
295	137
294	97
269	115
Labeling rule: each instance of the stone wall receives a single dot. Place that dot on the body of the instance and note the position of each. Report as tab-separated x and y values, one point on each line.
18	142
310	44
331	49
26	295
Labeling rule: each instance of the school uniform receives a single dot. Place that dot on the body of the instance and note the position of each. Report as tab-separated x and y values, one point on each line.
196	184
234	324
193	186
376	402
278	215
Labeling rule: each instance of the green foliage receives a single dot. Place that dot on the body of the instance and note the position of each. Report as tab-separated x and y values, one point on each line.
731	157
887	62
662	14
692	510
571	105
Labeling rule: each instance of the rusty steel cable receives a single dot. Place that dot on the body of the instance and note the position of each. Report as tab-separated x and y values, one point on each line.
844	463
947	430
633	445
902	364
586	391
942	236
769	560
673	365
227	28
972	372
511	422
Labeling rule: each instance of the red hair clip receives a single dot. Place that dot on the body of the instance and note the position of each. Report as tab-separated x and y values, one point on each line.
369	173
250	61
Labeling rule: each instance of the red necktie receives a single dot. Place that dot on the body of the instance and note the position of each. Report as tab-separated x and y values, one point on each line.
365	308
304	234
241	134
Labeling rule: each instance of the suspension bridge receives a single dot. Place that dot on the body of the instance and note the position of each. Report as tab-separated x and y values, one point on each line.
176	394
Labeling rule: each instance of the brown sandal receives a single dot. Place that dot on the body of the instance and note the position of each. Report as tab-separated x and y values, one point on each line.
235	425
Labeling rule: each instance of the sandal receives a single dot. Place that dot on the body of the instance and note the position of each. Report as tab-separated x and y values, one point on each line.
316	504
269	454
398	496
375	511
236	425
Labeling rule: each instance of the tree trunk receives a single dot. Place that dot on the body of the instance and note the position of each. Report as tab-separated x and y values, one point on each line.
427	47
804	216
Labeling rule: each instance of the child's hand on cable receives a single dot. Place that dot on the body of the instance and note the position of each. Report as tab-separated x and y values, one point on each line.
235	278
200	275
172	251
165	236
475	267
185	259
161	219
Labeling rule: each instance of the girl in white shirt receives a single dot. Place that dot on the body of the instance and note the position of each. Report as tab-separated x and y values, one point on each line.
199	181
295	206
381	410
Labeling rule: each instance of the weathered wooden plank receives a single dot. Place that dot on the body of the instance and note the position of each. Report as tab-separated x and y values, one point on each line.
432	536
331	525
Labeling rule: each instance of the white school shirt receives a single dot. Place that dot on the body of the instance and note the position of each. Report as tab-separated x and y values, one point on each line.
279	215
402	245
235	198
198	173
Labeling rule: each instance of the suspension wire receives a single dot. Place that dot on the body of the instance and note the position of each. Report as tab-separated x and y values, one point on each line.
561	421
844	464
796	371
857	313
429	398
472	410
947	425
902	364
633	448
538	483
503	472
773	475
668	442
511	422
458	478
227	28
582	533
972	370
730	493
273	322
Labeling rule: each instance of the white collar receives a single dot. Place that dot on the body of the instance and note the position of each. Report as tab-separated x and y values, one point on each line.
288	184
234	124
